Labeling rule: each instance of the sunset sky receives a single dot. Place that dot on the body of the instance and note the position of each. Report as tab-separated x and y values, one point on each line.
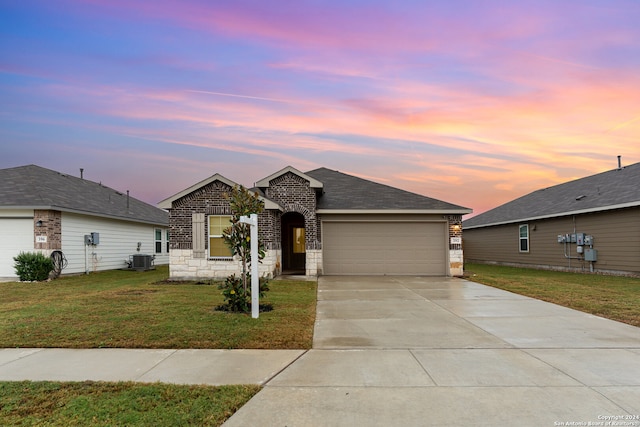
472	102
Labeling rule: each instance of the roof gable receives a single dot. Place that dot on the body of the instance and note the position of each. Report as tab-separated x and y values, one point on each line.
167	203
344	192
613	189
313	183
35	187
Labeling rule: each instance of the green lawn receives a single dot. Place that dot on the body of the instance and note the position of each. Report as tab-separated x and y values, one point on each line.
127	309
142	310
613	297
108	404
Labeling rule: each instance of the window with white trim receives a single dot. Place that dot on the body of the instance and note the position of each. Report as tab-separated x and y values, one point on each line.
524	238
167	241
217	247
158	238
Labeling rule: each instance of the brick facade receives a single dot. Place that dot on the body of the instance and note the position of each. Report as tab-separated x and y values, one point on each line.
294	195
50	228
210	199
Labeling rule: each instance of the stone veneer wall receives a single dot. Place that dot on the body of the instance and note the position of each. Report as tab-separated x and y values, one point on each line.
183	266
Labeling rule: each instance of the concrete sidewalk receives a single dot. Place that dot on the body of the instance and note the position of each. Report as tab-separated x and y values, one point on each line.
211	367
422	351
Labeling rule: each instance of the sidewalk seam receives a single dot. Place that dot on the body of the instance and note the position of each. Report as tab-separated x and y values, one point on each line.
156	365
284	367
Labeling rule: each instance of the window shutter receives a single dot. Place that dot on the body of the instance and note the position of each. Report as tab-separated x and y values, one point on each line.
197	235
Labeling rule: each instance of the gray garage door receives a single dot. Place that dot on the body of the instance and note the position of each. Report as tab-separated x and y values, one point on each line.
377	248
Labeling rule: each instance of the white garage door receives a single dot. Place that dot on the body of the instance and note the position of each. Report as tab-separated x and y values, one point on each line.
16	236
377	248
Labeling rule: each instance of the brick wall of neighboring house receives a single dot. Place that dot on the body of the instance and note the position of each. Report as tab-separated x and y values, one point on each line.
294	195
50	230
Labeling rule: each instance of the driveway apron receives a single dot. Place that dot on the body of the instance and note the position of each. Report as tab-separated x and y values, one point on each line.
420	351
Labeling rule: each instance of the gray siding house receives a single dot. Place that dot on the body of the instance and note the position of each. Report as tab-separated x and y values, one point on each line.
318	222
590	224
42	210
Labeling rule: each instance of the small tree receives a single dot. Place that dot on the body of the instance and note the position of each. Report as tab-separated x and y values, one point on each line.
238	239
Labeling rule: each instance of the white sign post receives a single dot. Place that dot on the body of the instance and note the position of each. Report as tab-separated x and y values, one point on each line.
252	220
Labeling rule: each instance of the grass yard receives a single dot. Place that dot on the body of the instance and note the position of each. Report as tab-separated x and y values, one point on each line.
613	297
128	309
107	404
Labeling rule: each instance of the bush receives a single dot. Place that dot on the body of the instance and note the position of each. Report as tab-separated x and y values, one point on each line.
236	299
32	266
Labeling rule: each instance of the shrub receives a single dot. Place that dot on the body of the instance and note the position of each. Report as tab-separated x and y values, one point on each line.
32	266
236	298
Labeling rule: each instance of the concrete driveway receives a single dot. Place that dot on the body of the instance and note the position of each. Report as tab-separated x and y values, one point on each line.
411	351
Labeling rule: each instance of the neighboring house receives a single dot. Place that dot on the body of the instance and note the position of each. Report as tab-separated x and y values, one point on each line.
42	210
318	222
590	224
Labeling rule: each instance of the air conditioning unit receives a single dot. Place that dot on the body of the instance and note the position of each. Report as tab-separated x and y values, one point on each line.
141	262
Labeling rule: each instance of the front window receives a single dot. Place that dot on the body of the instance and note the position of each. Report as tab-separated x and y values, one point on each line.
524	238
217	247
167	241
158	241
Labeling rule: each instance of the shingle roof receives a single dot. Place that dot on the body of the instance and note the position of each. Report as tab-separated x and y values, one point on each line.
617	188
347	192
35	187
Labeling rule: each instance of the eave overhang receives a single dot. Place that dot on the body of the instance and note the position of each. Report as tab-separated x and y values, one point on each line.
556	215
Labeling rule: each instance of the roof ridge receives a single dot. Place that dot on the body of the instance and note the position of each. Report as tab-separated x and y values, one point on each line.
603	190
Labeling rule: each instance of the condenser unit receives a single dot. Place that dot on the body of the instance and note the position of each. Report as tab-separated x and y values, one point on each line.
142	262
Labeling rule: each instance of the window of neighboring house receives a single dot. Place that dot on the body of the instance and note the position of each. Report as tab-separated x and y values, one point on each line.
158	241
217	247
167	240
524	238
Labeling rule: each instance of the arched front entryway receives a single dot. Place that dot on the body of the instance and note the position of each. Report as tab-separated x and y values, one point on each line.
293	244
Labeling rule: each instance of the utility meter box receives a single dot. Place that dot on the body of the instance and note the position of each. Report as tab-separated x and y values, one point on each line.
590	254
92	239
580	239
588	240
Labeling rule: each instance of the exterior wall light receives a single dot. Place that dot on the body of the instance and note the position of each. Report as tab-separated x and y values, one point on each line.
39	223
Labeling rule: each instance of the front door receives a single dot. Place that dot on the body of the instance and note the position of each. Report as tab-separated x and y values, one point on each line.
293	244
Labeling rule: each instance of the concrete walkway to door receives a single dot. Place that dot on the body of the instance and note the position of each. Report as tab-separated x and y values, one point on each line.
408	351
